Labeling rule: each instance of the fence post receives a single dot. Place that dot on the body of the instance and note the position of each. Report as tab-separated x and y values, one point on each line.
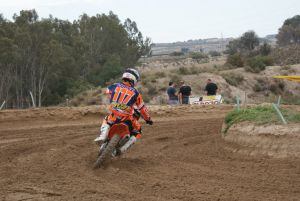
2	105
279	113
245	100
278	101
238	103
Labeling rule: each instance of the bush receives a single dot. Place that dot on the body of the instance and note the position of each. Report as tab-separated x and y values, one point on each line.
265	49
258	63
233	79
214	53
277	87
286	55
257	87
260	85
198	55
259	115
235	60
176	54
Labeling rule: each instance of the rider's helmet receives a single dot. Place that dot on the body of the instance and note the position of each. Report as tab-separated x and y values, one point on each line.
131	75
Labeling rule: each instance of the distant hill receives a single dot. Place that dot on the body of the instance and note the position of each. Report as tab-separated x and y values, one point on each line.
205	45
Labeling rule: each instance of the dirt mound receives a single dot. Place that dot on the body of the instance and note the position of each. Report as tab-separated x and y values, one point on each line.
49	156
279	141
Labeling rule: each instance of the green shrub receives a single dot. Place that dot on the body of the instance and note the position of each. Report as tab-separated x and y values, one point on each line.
214	53
235	60
257	87
233	78
287	55
277	87
198	55
176	54
265	49
258	63
259	115
260	85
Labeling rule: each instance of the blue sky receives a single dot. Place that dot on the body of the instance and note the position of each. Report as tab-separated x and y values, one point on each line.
173	20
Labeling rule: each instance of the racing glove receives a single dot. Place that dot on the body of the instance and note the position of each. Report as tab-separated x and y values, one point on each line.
150	122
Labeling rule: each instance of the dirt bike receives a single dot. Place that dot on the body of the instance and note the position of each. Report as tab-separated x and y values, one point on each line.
118	135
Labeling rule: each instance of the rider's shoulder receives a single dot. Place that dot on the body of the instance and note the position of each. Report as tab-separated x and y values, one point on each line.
115	84
112	85
136	90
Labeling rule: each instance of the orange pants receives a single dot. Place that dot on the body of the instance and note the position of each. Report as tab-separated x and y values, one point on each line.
111	119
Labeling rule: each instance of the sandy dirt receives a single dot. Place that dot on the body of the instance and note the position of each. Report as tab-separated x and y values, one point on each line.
279	141
48	154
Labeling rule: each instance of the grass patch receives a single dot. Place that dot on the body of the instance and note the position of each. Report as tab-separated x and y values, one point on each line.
259	115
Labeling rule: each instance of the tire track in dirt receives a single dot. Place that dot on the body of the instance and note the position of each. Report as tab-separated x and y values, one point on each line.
181	157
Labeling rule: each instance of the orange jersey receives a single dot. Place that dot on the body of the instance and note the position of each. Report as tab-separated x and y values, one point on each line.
123	98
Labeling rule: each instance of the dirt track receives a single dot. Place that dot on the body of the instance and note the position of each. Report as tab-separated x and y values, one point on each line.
48	154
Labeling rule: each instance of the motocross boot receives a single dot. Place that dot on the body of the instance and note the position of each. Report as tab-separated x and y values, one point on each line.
103	134
128	144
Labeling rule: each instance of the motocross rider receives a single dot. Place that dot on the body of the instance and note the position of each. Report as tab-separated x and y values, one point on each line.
124	99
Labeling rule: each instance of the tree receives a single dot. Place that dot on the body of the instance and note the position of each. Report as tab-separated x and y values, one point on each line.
249	40
289	33
55	58
265	49
214	53
232	47
245	44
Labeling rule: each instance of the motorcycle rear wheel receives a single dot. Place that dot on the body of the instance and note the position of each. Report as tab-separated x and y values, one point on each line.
106	153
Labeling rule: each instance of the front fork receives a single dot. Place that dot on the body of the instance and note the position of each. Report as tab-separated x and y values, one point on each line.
102	147
124	144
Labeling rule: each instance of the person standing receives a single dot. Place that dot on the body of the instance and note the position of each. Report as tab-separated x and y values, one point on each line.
211	88
171	91
184	93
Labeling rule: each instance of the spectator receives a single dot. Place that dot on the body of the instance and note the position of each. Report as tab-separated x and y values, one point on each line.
211	88
184	93
171	91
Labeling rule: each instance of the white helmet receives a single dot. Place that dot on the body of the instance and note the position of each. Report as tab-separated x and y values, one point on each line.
132	75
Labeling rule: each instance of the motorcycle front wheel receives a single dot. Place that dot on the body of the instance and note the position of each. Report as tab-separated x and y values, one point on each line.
106	153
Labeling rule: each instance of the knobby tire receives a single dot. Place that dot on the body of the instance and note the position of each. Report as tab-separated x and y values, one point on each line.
106	153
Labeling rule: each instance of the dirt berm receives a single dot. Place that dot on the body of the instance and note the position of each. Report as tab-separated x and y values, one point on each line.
279	141
48	154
